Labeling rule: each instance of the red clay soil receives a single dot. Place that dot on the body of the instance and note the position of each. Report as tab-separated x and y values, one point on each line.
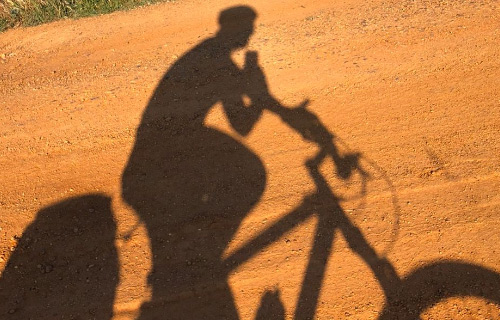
412	86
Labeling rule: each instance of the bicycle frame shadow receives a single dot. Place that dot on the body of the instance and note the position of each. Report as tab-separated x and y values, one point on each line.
406	298
326	207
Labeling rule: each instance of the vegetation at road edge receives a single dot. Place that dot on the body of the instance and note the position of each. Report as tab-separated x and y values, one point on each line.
15	13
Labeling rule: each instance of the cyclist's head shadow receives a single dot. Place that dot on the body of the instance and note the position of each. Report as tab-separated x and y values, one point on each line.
236	25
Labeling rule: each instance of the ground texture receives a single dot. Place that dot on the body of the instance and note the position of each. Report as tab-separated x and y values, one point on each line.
413	86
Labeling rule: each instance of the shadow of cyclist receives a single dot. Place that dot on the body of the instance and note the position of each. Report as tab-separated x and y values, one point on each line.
192	185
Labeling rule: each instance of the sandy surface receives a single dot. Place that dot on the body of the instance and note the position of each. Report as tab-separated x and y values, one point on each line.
411	85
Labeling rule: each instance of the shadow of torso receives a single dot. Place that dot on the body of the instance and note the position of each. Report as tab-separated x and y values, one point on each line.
192	185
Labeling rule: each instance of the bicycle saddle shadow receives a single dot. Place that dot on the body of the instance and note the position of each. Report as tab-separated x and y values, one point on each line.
65	265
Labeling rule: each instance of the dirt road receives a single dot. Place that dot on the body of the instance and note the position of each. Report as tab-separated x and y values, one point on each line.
410	85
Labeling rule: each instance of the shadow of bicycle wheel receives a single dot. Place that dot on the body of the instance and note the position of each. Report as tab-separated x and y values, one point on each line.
427	286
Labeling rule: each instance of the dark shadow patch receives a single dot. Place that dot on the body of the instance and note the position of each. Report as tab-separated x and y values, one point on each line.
65	265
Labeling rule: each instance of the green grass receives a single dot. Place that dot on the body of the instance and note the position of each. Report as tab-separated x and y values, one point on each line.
15	13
